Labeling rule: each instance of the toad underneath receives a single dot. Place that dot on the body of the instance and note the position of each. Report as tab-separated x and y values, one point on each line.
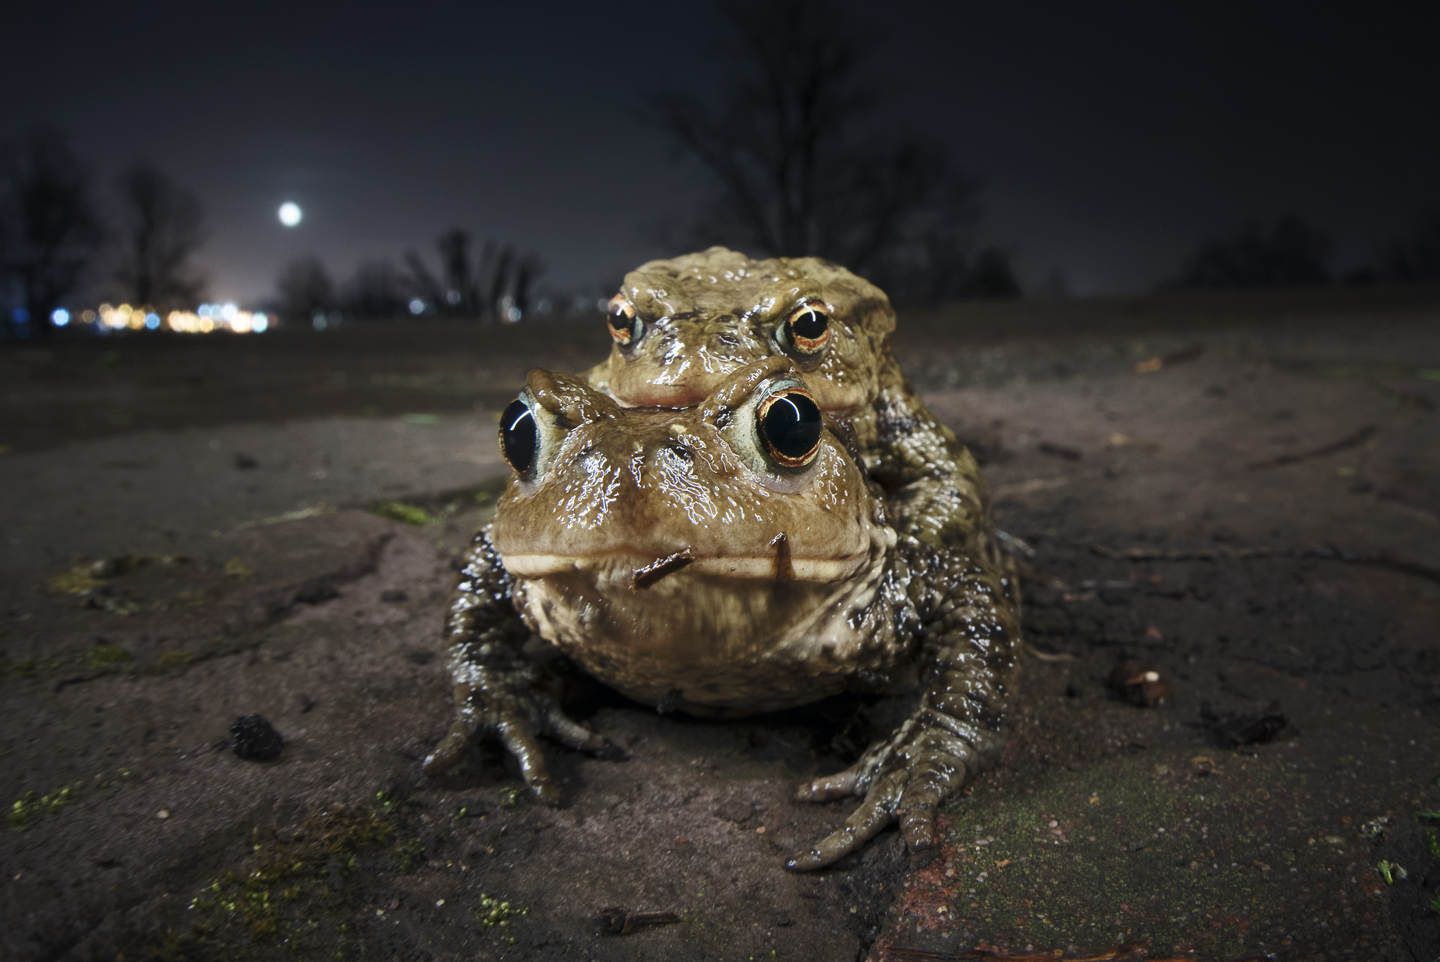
729	557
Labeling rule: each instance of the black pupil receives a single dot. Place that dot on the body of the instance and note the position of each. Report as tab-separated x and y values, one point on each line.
517	436
810	324
791	425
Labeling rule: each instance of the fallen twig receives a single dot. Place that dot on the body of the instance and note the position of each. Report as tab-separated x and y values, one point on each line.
1352	441
616	921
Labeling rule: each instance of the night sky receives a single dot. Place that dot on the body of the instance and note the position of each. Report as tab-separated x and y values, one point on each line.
1111	137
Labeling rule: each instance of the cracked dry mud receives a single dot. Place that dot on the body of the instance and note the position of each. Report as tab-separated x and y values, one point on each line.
140	832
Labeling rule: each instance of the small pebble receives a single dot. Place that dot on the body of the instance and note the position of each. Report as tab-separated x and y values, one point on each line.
255	739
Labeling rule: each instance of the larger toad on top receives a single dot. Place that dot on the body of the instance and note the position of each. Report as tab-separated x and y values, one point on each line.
681	326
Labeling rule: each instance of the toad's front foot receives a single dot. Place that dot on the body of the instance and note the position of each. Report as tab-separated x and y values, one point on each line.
516	719
903	779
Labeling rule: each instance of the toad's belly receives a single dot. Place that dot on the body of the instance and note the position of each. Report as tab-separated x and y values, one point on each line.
714	644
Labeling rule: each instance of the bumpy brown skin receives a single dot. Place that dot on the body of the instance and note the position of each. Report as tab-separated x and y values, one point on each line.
498	691
948	606
708	314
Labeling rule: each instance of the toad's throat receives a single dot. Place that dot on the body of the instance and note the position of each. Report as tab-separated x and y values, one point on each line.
646	571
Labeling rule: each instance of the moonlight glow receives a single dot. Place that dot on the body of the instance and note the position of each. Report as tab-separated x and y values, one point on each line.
290	214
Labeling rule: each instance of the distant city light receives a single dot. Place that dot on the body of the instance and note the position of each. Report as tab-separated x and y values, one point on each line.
417	306
290	213
108	318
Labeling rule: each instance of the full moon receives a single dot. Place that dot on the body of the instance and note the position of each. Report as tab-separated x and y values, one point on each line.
290	214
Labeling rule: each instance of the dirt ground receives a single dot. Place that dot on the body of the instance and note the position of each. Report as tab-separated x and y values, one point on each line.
1239	494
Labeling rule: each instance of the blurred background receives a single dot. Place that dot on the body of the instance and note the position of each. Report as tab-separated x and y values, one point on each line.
325	163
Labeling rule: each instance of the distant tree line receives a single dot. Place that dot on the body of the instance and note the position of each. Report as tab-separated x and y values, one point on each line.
497	285
1291	253
58	234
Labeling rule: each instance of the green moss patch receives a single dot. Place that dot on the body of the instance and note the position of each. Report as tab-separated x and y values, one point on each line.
399	511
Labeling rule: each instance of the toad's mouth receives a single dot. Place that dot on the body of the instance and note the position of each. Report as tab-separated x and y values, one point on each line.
774	565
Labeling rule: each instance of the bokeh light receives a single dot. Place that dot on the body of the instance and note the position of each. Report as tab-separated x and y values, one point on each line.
60	317
290	213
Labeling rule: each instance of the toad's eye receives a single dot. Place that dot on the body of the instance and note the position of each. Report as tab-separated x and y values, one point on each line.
808	328
625	327
789	424
518	436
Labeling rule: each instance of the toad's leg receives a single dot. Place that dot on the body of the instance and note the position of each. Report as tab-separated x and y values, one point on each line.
971	640
499	691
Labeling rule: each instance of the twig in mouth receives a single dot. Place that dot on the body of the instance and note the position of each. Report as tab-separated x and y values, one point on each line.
653	572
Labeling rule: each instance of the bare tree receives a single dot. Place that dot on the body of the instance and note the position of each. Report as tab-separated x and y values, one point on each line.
462	296
1415	256
1290	253
305	289
422	282
800	165
162	226
527	271
51	229
499	273
499	285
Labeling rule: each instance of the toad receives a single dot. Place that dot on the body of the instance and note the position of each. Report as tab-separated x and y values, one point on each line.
728	557
679	327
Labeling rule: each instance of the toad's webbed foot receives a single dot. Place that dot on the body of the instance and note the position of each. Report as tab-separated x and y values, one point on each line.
905	778
516	714
498	691
517	720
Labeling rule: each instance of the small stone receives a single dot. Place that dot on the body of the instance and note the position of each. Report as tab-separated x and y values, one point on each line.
163	813
255	739
734	810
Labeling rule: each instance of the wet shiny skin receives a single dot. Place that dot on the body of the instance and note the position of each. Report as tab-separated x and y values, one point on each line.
704	316
669	557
